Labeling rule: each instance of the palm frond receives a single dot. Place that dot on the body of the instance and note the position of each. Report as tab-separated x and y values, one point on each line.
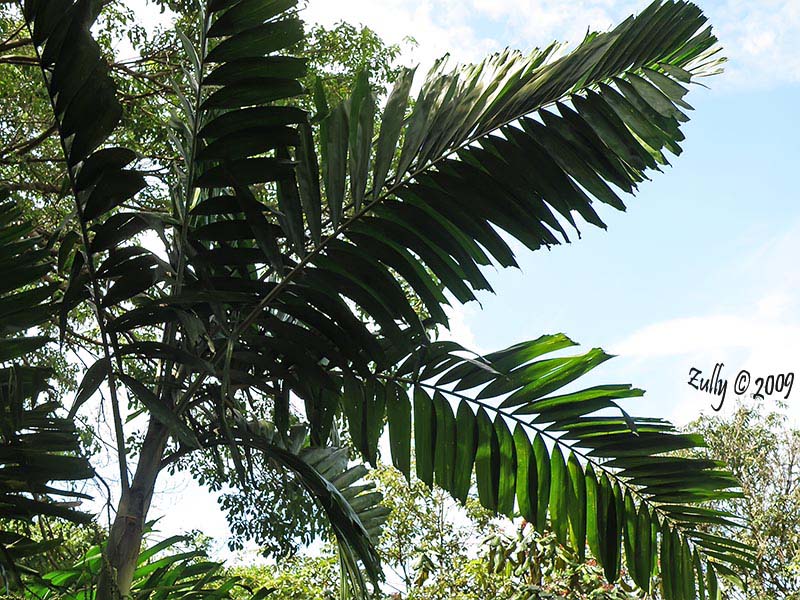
285	268
352	505
517	144
571	460
37	446
87	111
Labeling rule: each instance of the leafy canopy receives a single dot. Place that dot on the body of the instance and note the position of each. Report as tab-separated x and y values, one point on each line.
278	304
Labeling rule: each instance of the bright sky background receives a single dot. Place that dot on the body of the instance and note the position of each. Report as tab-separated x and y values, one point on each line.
698	270
701	268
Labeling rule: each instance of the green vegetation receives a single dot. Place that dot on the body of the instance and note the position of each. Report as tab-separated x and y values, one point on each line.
253	264
761	449
433	549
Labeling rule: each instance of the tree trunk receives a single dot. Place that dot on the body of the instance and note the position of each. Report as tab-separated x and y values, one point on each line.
125	538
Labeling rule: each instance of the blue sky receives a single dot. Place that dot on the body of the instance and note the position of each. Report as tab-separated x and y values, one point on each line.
701	268
708	240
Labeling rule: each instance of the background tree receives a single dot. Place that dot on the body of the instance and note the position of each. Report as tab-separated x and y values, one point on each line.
274	306
436	549
762	450
440	549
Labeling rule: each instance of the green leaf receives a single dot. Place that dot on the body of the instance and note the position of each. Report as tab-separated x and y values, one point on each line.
333	148
11	348
542	377
487	461
671	88
424	435
191	53
631	541
613	534
594	519
253	92
577	506
248	118
264	236
291	213
245	172
246	14
375	409
445	450
258	41
112	189
362	117
466	447
14	307
698	572
239	71
559	496
353	403
123	226
543	484
669	564
161	410
391	125
527	475
415	130
65	249
91	116
508	468
241	144
643	558
398	416
94	376
308	182
159	350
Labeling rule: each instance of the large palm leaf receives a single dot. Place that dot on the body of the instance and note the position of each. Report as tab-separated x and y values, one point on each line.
475	136
350	503
274	289
37	446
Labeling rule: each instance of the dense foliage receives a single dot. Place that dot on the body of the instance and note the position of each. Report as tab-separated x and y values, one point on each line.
262	273
762	449
434	549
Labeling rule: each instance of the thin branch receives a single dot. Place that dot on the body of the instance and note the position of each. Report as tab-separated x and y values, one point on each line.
16	59
29	145
10	43
33	186
30	159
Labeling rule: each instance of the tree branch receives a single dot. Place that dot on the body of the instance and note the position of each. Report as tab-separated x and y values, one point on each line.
29	145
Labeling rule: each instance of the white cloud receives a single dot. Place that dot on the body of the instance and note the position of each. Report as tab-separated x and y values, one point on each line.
459	331
762	343
757	331
538	22
759	37
438	26
761	335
